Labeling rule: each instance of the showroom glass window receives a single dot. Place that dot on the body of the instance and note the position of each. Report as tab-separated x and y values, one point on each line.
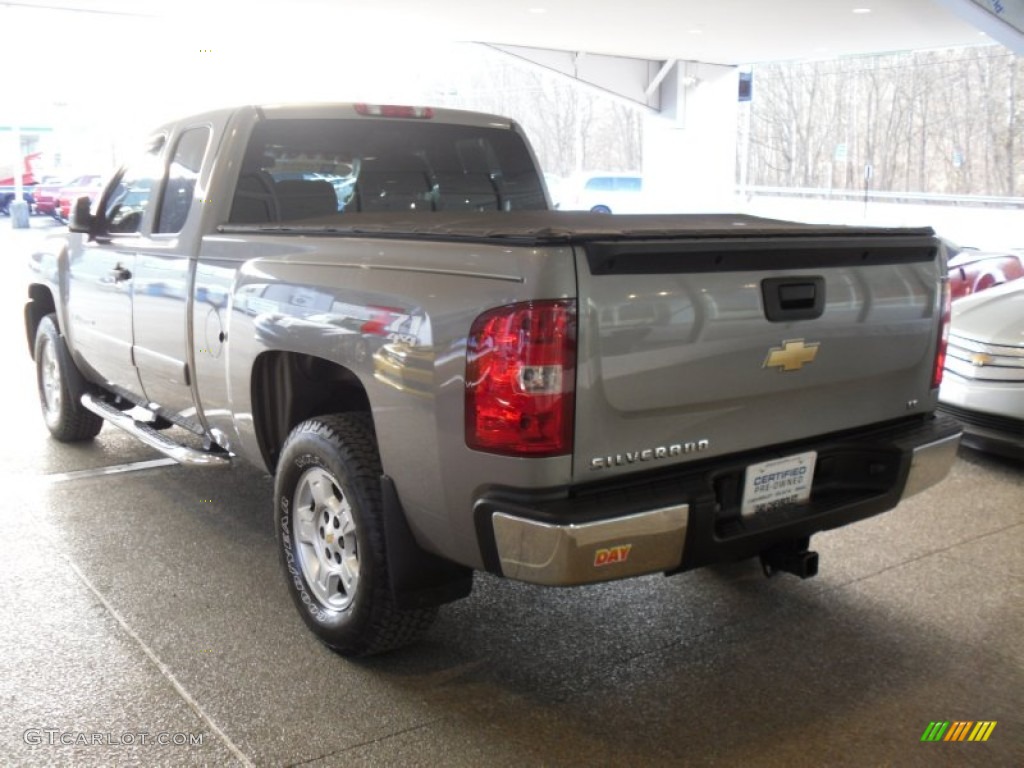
182	174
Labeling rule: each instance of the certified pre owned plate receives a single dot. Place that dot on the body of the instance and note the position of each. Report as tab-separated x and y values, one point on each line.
778	483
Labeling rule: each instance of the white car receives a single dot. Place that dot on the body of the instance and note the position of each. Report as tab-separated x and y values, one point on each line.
607	192
983	385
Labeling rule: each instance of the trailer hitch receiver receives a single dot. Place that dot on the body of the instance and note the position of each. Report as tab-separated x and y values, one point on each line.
790	557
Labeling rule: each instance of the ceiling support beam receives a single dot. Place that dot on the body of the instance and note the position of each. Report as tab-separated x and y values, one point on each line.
1002	20
637	81
662	74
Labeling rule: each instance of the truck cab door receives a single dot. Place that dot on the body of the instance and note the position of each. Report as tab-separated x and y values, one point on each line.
100	307
101	276
163	290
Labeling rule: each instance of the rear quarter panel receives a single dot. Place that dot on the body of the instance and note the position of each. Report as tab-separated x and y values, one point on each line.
395	313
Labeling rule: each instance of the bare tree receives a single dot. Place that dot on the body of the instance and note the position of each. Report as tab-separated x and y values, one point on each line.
935	121
572	127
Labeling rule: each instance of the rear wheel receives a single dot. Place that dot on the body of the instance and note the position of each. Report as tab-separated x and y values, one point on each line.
328	515
61	388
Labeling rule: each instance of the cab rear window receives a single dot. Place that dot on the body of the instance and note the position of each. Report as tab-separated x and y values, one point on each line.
303	169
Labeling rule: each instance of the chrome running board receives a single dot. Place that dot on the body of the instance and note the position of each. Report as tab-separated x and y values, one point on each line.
142	431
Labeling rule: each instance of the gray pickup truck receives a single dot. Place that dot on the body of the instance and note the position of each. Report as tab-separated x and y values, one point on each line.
375	304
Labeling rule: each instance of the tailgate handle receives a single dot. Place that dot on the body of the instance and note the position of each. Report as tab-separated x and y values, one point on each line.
793	298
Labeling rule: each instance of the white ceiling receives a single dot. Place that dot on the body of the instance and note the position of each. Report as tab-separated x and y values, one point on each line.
108	70
714	31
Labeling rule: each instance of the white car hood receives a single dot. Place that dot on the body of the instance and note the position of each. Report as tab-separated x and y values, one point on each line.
994	316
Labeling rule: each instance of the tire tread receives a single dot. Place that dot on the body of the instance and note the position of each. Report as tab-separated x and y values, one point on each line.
76	424
390	628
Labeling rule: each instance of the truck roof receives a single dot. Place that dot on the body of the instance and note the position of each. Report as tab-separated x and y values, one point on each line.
356	110
349	110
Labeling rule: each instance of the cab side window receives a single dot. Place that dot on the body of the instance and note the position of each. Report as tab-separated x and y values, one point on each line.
181	180
127	200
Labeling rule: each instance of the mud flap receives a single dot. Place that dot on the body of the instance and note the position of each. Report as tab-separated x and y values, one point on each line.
419	579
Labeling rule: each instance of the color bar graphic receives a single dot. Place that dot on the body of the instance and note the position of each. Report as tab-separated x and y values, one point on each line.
958	730
982	730
935	731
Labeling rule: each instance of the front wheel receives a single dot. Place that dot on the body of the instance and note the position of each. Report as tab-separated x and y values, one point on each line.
60	388
328	515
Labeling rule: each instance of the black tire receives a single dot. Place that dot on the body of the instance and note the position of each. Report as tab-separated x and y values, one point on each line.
327	535
60	387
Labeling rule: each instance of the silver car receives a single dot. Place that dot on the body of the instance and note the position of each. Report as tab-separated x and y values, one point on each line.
983	385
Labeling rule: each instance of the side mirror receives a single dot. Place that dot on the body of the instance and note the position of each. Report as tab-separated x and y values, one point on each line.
81	219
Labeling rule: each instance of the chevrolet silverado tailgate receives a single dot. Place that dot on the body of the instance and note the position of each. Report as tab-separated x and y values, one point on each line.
701	346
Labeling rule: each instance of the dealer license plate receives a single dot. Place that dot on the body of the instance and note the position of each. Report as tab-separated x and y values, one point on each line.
778	483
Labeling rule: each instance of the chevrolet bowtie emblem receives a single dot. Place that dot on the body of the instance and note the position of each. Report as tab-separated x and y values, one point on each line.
980	359
792	355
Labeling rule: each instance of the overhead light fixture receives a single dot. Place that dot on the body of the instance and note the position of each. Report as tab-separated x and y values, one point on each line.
862	10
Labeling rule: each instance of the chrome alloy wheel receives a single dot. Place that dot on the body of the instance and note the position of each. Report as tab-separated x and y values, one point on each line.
325	534
50	379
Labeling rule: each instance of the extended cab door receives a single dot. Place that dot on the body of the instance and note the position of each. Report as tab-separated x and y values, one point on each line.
163	283
101	275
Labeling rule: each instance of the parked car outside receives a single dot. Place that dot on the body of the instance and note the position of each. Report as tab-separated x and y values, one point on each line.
90	185
971	271
46	197
983	385
606	192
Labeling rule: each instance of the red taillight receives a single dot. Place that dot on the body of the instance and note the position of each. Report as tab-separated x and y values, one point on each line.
940	352
521	379
394	110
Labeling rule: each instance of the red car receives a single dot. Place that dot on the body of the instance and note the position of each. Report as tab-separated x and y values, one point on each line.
45	197
90	186
971	271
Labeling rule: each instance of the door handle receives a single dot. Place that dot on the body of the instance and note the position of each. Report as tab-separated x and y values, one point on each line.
120	272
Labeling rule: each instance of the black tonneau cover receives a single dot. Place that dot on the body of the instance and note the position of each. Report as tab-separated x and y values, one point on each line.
560	227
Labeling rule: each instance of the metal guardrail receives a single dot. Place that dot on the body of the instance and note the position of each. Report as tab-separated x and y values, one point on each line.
880	196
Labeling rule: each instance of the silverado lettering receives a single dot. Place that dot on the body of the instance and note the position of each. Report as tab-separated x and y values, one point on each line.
649	454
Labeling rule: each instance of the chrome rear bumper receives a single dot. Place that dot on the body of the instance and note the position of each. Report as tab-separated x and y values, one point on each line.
541	553
670	522
930	463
